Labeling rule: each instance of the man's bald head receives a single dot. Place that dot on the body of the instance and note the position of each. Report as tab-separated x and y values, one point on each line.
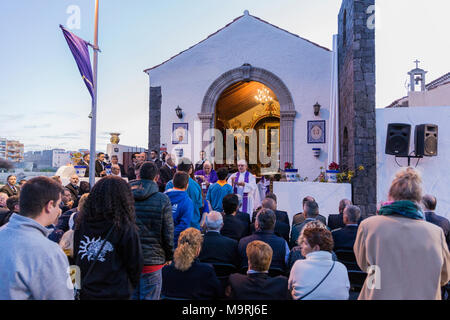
429	202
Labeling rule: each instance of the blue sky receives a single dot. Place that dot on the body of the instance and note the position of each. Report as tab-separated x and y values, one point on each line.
45	104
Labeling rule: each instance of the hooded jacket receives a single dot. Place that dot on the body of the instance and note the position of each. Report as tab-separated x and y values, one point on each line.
182	211
118	268
154	220
31	266
194	192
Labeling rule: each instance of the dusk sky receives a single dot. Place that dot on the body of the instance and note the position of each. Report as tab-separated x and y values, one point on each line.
45	104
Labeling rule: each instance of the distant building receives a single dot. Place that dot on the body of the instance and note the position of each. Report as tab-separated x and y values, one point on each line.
60	157
11	150
434	94
46	159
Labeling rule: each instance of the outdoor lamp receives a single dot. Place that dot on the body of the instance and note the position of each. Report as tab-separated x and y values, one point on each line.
316	109
179	112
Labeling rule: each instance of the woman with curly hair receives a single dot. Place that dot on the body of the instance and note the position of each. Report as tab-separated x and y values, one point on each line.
106	242
187	277
405	256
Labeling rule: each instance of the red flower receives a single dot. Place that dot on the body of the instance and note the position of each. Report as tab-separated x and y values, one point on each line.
287	165
333	166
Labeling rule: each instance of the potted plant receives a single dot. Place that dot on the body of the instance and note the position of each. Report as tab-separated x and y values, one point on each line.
332	172
291	174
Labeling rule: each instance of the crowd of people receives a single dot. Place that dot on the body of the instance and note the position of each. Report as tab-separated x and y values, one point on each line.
186	231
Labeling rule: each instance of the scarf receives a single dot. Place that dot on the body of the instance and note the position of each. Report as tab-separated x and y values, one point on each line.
403	207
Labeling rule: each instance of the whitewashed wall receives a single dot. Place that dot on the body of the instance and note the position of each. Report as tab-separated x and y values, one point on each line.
435	170
303	67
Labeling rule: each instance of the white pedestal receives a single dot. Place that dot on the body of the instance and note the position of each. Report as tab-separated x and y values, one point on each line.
327	195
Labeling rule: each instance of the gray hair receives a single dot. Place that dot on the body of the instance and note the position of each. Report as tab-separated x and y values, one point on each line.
353	213
214	221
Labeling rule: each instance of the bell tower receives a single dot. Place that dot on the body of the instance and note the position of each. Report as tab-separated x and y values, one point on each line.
416	78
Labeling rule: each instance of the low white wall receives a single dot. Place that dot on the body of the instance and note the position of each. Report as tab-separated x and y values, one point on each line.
327	195
435	170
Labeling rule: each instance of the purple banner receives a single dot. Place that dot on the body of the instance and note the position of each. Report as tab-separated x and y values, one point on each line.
80	52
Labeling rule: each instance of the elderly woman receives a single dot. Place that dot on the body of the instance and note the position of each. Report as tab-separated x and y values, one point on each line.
296	252
186	277
405	256
318	277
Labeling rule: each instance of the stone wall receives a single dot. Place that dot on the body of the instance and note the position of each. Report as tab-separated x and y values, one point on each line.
154	132
357	127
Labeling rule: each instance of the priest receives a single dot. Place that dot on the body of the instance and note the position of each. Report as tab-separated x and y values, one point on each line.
244	184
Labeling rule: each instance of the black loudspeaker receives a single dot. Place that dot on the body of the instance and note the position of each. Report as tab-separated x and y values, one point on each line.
426	140
397	139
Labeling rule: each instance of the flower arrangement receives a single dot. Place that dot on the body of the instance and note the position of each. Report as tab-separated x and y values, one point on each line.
341	177
333	166
287	165
347	176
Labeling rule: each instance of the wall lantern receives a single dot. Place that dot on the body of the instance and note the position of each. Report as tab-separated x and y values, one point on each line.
316	109
179	112
316	152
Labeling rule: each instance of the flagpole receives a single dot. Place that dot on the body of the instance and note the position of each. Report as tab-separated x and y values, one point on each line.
93	156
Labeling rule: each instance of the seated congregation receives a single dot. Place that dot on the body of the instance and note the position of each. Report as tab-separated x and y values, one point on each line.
132	241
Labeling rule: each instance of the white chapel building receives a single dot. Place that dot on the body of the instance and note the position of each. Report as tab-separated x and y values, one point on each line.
249	75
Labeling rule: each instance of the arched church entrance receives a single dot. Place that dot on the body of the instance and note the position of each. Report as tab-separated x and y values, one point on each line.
250	111
231	102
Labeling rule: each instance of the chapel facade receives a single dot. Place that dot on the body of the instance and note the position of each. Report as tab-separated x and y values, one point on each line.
268	85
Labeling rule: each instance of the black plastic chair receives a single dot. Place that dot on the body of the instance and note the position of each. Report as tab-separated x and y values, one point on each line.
347	258
355	275
356	279
274	272
223	269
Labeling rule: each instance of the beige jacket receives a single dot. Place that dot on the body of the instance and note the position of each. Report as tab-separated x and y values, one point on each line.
410	258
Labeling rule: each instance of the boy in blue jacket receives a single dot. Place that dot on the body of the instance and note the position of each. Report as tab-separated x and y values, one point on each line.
193	190
182	205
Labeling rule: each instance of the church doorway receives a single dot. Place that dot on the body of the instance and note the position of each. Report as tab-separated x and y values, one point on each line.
249	113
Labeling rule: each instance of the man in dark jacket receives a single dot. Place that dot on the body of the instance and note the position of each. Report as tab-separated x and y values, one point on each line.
300	217
100	165
281	227
233	227
166	173
74	189
115	161
155	223
213	240
429	203
344	238
336	221
264	225
257	285
10	187
154	157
